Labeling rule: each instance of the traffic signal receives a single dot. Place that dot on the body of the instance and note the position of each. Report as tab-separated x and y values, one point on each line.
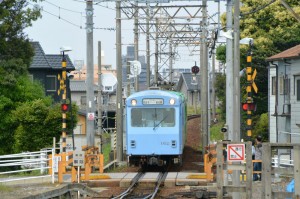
195	69
249	106
64	107
224	129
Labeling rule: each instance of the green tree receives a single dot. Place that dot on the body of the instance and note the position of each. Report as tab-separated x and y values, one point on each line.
29	119
15	16
273	29
37	123
262	126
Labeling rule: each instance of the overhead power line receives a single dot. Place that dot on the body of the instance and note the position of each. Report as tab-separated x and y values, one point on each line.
258	9
68	21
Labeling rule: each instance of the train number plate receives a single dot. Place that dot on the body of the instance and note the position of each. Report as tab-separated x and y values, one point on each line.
153	101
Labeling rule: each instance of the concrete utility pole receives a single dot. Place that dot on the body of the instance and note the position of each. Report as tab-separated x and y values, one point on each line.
99	97
90	123
119	116
148	45
213	81
204	77
136	41
236	93
229	73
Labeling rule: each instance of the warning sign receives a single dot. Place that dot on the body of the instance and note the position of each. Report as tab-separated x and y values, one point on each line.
235	152
91	116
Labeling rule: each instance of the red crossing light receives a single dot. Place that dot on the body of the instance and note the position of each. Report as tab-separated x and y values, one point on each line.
249	106
64	107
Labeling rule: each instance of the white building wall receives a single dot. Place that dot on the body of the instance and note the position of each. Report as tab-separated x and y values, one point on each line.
295	105
272	99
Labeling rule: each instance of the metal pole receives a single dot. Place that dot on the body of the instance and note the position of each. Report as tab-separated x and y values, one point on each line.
136	42
148	46
213	81
71	113
229	73
204	78
156	55
236	93
90	133
119	116
99	97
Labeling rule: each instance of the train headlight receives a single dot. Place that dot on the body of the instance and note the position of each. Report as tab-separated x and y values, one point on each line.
172	101
133	102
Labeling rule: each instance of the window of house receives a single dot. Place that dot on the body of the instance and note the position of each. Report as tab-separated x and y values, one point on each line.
298	90
83	100
273	85
51	83
286	86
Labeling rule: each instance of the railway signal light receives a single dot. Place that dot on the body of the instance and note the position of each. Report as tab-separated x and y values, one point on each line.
64	107
195	69
249	106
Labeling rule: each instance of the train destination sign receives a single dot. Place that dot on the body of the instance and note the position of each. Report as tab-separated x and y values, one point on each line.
153	101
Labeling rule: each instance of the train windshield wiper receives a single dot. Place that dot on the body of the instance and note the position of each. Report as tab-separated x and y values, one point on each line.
155	126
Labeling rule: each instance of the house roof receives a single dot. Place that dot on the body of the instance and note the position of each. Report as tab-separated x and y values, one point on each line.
80	86
190	81
44	61
293	52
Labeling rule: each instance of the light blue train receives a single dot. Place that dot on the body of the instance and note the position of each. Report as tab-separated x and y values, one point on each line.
155	128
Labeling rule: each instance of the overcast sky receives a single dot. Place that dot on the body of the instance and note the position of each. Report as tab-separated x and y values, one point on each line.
63	24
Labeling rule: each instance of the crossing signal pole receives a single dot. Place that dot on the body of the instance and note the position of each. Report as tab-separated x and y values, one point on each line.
249	106
64	105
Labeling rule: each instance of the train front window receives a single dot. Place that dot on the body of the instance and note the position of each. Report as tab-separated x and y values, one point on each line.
153	117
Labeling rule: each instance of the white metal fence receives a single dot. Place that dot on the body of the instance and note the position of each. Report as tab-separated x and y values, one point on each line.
26	162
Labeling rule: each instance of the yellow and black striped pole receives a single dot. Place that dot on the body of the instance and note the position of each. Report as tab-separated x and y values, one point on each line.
64	103
249	94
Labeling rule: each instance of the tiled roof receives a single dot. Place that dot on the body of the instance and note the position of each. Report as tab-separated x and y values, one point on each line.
43	61
80	86
190	83
287	54
39	59
55	62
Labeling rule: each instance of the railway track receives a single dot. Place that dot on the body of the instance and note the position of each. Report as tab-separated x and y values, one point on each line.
135	191
189	117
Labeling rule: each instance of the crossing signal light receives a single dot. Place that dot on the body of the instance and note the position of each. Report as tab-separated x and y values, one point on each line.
224	129
249	106
64	107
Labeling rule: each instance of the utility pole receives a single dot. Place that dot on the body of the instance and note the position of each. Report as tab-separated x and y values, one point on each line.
213	81
119	116
99	97
148	45
170	58
156	55
90	123
136	42
229	73
236	127
204	78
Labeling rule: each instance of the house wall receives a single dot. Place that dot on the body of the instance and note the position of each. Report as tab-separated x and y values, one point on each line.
81	125
272	98
295	105
283	121
288	130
